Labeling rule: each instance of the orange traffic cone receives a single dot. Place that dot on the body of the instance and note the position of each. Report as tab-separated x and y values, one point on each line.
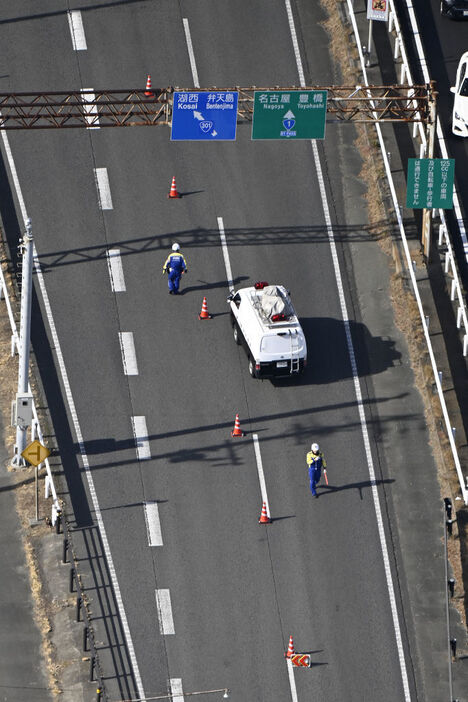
204	311
264	518
237	430
148	91
173	191
290	649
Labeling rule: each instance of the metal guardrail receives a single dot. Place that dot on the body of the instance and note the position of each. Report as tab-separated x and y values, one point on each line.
36	427
450	264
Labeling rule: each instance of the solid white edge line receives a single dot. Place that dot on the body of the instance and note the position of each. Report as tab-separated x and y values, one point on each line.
261	475
153	523
103	187
116	274
227	262
140	433
77	427
177	691
90	96
75	22
127	347
357	386
164	607
191	54
292	682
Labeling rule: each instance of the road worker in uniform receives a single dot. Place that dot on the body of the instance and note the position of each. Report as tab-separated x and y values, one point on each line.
175	266
315	461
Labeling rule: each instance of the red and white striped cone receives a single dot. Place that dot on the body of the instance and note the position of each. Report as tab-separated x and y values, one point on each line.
291	651
237	430
148	91
173	191
264	518
204	311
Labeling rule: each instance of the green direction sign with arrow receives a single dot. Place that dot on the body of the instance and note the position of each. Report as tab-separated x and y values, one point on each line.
289	114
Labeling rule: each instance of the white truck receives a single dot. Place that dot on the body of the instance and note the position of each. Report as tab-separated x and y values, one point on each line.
264	321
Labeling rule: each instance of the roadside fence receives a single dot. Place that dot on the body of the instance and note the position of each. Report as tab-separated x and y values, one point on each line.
450	263
82	610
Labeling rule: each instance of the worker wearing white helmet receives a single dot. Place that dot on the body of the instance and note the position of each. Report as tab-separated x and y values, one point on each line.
316	461
175	266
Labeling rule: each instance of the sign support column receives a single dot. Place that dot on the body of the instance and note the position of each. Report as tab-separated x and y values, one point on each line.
427	213
25	339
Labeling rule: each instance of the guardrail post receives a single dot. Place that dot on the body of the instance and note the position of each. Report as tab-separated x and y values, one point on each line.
98	694
72	580
459	317
91	668
46	487
452	289
465	344
449	525
85	638
397	49
58	515
441	234
446	263
451	585
65	550
453	646
78	609
448	507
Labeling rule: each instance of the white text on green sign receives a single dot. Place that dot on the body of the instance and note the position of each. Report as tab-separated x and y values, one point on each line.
289	114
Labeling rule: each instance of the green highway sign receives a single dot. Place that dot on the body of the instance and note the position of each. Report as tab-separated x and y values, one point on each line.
430	183
289	114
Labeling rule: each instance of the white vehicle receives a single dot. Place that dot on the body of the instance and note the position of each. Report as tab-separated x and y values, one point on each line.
265	322
460	103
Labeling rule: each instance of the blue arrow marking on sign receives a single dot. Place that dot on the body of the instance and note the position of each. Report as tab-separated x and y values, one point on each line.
204	116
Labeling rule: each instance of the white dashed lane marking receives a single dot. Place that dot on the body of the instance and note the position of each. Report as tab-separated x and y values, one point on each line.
75	22
91	111
163	604
127	346
193	65
103	188
153	524
261	475
176	690
227	262
140	432
114	262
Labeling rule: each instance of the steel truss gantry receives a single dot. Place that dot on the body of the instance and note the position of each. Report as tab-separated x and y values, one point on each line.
133	108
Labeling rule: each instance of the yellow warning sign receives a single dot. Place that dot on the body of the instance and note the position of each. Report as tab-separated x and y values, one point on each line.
35	453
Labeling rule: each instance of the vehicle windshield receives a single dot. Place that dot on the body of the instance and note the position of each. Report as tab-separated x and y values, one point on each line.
464	88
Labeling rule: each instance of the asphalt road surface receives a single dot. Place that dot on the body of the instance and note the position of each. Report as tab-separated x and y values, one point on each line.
214	604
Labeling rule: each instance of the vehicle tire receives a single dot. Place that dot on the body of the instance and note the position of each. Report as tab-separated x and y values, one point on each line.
252	369
236	334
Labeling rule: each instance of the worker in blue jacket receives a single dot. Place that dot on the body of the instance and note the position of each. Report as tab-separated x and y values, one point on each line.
315	461
175	266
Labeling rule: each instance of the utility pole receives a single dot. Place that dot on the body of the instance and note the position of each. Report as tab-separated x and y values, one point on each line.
22	411
431	128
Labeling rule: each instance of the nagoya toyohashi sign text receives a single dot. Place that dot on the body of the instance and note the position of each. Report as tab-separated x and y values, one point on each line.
377	10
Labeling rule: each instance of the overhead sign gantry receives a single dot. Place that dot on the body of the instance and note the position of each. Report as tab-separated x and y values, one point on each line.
133	108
